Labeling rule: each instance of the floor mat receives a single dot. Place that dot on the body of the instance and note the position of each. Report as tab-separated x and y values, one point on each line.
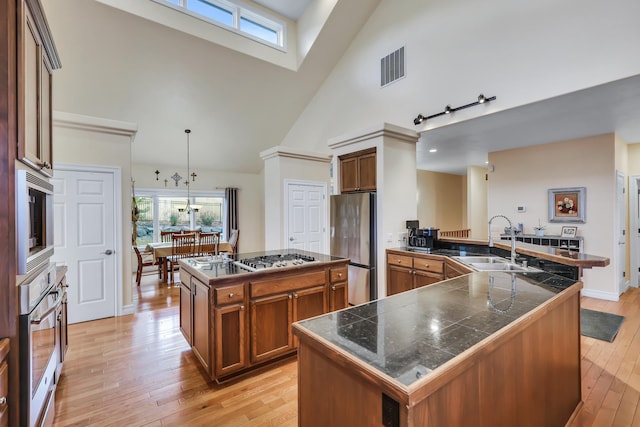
599	325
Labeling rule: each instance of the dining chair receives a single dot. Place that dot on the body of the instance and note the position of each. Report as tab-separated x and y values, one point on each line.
144	260
196	232
165	236
182	246
233	240
208	244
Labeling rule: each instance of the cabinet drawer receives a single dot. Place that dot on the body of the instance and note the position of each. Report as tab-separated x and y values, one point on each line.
288	283
338	274
428	265
229	294
400	260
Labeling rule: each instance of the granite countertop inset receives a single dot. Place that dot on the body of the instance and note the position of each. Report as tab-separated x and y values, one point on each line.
408	335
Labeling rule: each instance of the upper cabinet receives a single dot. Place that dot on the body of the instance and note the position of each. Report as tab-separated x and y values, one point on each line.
37	59
358	171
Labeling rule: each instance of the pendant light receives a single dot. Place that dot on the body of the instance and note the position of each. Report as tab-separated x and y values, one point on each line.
188	208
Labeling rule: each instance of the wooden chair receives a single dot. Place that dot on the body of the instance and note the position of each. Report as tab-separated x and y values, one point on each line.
233	240
165	236
196	232
208	244
183	246
144	260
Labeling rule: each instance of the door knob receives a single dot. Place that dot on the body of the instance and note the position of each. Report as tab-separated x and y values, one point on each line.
291	239
108	252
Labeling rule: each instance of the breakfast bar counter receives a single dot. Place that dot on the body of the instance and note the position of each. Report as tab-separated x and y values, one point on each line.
486	348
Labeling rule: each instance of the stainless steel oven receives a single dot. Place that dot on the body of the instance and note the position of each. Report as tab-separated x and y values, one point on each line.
40	302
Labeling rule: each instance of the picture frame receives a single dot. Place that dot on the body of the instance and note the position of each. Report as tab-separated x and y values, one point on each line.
569	231
567	204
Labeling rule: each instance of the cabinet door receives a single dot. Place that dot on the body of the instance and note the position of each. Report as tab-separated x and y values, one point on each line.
349	175
309	302
367	172
46	148
338	296
29	149
271	319
4	383
230	336
201	325
399	279
424	278
185	311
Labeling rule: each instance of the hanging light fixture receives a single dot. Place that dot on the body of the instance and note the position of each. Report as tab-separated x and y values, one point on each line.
188	208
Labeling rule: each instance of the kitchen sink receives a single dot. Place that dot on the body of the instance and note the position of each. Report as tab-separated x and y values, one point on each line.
497	266
480	259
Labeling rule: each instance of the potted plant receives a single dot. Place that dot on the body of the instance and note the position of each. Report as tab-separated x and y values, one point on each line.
539	229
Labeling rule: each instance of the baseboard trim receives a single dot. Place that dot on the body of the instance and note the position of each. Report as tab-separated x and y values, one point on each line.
592	293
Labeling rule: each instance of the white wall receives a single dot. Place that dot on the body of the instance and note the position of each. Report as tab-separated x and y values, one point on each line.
523	176
521	52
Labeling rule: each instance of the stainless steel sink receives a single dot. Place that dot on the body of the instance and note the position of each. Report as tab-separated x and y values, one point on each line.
480	259
497	266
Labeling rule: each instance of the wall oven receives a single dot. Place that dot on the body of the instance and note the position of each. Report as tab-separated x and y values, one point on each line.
34	221
41	300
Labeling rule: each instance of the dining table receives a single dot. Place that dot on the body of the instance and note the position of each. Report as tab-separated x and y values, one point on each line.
162	250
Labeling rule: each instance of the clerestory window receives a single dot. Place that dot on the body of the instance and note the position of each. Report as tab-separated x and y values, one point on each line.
232	16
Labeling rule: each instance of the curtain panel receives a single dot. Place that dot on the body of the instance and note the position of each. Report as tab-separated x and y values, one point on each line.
231	195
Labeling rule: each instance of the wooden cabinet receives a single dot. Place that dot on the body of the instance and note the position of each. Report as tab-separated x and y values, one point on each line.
201	345
233	325
186	313
406	272
4	382
276	304
195	317
339	288
358	171
36	61
230	322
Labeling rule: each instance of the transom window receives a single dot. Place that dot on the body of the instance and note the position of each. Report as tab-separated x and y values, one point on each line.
229	15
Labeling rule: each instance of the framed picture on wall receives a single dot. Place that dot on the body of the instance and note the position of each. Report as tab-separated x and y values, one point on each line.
567	204
569	231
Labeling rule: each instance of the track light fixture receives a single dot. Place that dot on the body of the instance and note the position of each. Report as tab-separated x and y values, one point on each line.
448	109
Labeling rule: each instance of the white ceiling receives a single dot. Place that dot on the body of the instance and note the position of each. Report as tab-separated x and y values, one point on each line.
612	107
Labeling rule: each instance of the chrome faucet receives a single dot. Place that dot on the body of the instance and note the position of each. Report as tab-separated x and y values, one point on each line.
513	236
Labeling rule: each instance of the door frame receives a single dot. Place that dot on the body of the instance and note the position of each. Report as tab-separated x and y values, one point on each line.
318	184
621	210
634	230
116	172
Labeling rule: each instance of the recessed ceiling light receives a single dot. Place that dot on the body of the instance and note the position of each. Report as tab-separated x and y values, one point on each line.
433	150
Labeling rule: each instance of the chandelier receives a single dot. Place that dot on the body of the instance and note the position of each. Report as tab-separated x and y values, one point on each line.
188	208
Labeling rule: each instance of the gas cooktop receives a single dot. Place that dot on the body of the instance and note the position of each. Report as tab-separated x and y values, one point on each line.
268	262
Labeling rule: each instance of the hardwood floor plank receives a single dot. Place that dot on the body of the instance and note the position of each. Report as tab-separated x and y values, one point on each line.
137	370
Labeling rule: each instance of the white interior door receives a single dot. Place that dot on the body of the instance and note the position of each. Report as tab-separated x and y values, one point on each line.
84	237
306	216
621	232
634	230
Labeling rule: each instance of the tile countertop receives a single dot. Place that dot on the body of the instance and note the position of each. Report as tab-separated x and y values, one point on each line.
562	256
408	335
227	267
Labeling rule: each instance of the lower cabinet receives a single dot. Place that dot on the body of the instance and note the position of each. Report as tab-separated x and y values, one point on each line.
230	322
410	272
234	326
4	382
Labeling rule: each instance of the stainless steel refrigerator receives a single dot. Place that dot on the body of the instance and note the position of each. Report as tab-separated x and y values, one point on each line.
353	235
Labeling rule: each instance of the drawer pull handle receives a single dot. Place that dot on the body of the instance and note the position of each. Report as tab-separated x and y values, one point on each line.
339	274
3	400
231	295
242	307
399	261
426	265
333	288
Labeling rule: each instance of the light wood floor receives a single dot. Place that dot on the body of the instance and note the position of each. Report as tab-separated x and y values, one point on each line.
137	370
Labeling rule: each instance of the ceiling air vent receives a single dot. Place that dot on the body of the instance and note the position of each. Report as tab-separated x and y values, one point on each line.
392	67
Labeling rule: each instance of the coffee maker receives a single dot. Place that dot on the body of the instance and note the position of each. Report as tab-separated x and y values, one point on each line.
423	238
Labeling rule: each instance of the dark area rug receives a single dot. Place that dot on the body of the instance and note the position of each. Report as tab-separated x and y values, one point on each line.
599	325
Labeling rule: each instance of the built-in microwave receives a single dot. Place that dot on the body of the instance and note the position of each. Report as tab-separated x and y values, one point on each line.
34	221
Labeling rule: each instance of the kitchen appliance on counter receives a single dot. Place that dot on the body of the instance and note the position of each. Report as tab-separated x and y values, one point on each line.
353	235
41	322
421	237
279	261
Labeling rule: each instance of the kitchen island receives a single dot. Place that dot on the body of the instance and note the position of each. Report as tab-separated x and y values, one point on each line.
482	349
236	312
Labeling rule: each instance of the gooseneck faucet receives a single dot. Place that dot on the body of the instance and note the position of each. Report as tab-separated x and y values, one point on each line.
513	236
